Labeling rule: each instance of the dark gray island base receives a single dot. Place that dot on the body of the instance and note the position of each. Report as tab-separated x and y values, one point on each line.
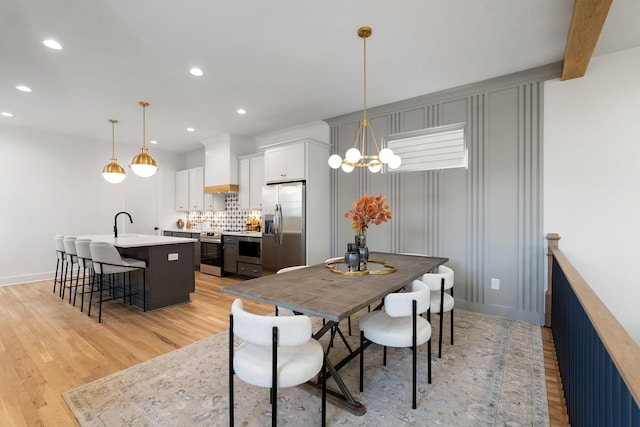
169	276
167	282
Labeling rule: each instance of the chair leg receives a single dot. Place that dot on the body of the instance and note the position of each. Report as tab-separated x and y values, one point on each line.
274	378
231	370
441	317
361	361
349	320
414	350
384	355
55	278
324	392
429	361
451	326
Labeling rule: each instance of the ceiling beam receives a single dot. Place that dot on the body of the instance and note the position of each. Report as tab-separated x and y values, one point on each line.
587	21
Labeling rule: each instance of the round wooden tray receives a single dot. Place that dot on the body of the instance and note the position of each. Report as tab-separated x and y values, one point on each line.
374	266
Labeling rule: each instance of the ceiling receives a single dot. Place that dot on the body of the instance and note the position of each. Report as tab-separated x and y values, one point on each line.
287	62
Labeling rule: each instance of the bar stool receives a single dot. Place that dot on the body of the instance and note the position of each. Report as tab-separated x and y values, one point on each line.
107	260
86	266
72	260
60	262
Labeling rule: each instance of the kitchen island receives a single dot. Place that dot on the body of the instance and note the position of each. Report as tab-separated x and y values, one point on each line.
169	276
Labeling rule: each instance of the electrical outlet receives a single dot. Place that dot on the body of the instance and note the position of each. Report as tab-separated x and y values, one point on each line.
495	284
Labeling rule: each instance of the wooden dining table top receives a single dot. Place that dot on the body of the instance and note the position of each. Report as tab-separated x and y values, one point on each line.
317	291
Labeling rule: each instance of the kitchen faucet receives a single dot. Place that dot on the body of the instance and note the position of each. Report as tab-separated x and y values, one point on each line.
115	222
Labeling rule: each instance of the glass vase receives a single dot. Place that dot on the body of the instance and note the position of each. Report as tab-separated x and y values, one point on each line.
352	257
363	250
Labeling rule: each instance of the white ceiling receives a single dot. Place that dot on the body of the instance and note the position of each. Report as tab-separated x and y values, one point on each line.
288	62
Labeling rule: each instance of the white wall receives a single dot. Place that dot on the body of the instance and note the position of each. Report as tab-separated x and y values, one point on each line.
52	184
592	178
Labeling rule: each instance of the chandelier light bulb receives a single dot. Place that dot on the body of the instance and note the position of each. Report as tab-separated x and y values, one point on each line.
113	178
353	155
335	161
385	155
395	162
346	167
374	166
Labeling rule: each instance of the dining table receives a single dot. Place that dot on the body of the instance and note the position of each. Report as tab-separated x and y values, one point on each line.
332	292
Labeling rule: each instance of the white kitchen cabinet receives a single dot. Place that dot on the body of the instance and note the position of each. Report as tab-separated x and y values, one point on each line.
214	202
182	190
256	181
285	163
196	189
251	180
190	189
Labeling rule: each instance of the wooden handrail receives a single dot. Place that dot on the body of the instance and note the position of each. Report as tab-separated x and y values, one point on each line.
623	350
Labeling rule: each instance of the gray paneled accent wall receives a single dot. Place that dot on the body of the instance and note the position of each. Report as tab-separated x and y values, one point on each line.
487	219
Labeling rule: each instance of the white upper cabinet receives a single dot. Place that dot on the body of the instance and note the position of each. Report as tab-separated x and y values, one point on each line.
182	190
285	163
251	180
190	189
196	189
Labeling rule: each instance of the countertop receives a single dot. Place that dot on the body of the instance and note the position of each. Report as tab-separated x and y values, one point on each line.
225	233
137	240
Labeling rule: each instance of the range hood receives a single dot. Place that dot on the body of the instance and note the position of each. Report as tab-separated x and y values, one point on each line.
221	162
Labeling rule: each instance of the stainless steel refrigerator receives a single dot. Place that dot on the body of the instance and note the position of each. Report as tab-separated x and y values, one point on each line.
283	232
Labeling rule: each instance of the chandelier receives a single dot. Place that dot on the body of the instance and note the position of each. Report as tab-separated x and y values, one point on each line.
143	164
113	172
355	156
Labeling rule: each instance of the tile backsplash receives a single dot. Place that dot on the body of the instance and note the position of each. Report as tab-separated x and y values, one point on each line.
232	218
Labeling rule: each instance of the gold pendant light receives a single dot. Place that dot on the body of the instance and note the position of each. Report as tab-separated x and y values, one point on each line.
356	157
143	164
113	172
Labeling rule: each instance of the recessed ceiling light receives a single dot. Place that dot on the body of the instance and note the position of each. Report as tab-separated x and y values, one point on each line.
191	130
23	88
196	71
241	111
52	44
6	114
153	141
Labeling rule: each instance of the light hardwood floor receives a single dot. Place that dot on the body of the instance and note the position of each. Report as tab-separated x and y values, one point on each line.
48	347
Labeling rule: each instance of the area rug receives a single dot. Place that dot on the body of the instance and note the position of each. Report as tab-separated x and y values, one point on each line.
492	376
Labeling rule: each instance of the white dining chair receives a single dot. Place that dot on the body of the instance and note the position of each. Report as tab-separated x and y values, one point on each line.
399	324
276	351
283	311
441	302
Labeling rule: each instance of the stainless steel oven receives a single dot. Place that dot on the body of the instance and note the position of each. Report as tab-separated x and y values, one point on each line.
211	260
250	249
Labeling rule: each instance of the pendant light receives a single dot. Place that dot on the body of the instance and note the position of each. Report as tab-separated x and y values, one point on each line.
113	172
355	156
143	164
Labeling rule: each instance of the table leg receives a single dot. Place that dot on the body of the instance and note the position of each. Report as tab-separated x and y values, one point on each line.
343	399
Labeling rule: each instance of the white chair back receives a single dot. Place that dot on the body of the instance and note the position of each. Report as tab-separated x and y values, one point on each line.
256	329
434	280
84	252
102	252
70	249
401	304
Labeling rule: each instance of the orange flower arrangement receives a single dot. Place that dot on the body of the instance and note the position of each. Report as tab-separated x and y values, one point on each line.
368	210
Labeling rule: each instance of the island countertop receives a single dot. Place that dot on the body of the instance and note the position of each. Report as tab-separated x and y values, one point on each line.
136	240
